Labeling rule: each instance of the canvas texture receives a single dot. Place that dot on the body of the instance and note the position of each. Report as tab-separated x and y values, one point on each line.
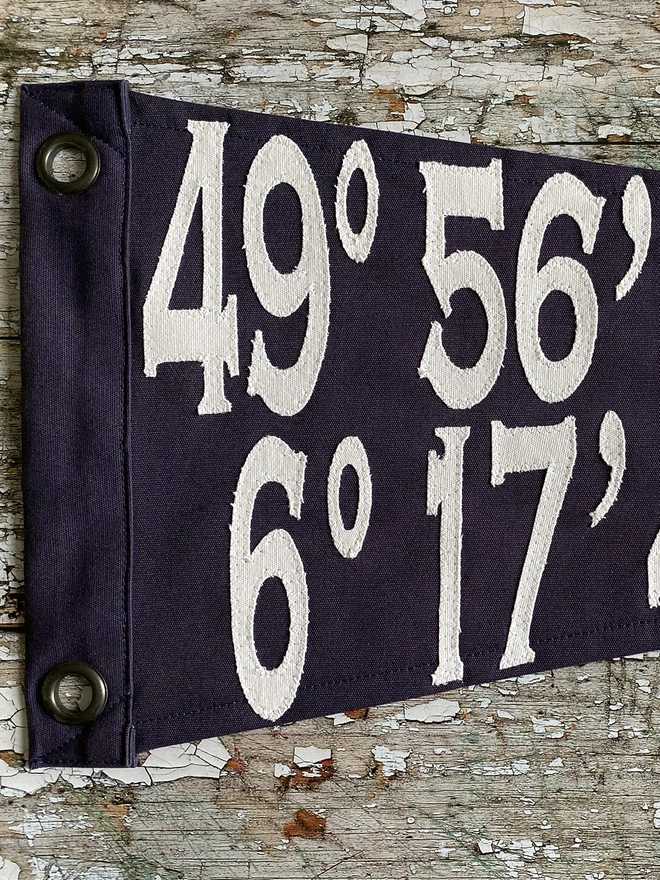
318	417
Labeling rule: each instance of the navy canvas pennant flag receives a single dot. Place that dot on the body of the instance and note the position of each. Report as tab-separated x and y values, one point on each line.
318	417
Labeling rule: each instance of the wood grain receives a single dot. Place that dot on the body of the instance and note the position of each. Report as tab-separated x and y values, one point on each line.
550	777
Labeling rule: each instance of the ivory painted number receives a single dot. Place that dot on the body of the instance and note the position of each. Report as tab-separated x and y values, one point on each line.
561	194
349	453
286	390
445	494
208	334
457	191
269	692
551	448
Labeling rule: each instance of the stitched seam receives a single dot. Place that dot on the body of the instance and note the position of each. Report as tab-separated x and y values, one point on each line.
407	162
61	747
385	673
70	121
126	461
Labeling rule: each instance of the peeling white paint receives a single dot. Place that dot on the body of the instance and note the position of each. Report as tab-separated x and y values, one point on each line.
501	713
38	823
321	112
15	782
45	869
531	678
437	710
436	42
391	722
604	131
568	20
128	775
415	74
513	852
8	870
340	718
13	720
310	755
413	8
349	43
11	701
541	725
392	760
205	759
7	652
280	72
280	770
515	768
656	815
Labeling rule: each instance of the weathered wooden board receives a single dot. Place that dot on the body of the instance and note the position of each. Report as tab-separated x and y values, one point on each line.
553	776
547	776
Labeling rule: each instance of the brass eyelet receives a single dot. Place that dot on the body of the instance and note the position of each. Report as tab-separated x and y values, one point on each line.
49	150
50	694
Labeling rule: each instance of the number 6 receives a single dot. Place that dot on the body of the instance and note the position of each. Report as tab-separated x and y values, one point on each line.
269	692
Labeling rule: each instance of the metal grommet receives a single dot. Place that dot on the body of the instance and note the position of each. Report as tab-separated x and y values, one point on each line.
52	146
51	699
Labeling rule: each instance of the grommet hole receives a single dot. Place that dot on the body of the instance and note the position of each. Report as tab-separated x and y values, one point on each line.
74	693
69	164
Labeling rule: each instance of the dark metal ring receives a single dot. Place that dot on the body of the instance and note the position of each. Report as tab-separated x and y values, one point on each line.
46	156
51	699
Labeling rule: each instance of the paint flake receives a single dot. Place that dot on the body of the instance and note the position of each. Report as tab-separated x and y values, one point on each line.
392	760
206	759
436	711
566	20
340	718
37	823
531	678
541	725
515	768
605	131
349	43
310	755
656	815
15	782
128	775
8	870
413	8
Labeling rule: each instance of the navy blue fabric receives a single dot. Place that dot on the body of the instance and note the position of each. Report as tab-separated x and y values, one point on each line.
128	491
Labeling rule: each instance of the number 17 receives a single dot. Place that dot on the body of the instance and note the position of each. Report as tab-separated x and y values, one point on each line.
551	448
